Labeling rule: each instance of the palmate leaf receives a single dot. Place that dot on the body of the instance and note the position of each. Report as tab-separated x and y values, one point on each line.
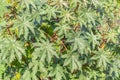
10	50
60	4
57	73
72	60
26	75
35	16
102	58
41	1
93	74
37	65
112	35
67	16
2	69
89	16
114	68
51	12
37	70
24	26
83	77
114	72
3	7
96	3
62	29
73	3
93	39
2	23
45	51
27	3
77	41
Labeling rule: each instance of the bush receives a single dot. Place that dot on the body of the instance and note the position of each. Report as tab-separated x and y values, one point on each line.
59	39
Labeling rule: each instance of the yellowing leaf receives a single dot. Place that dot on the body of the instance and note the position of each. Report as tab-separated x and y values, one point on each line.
17	75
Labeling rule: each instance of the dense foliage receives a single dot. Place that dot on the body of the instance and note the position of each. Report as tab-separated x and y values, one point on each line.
59	40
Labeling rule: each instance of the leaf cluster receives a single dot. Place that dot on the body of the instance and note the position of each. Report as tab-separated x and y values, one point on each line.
59	40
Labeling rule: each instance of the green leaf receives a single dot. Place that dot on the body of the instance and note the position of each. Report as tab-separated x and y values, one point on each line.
93	39
102	58
27	3
3	8
72	60
57	72
24	26
11	48
45	51
78	42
